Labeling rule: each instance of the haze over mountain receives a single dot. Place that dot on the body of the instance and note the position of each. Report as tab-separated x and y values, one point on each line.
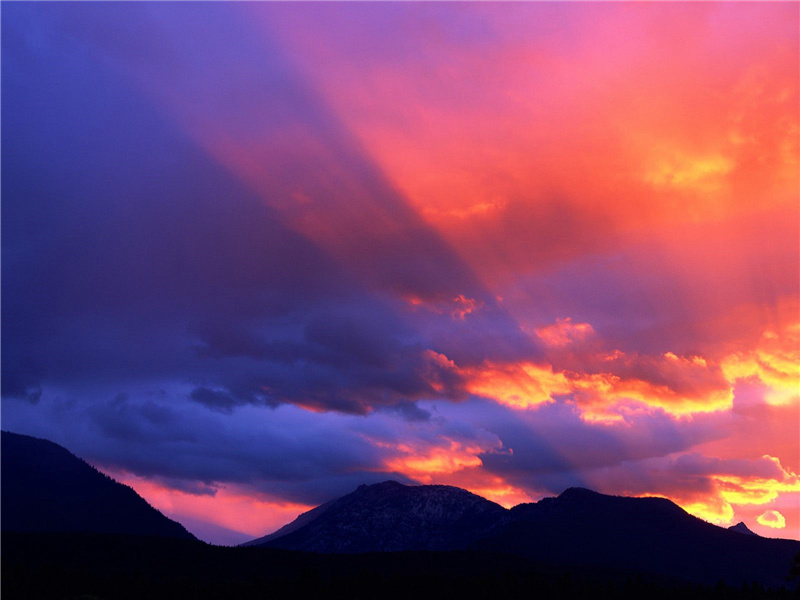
579	528
45	488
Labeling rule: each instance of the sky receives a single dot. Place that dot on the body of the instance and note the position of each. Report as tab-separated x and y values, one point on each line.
255	255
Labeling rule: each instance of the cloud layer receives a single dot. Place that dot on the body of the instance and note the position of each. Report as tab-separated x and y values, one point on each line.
256	255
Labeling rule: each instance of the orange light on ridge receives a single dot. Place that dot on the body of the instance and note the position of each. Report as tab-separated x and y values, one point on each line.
504	495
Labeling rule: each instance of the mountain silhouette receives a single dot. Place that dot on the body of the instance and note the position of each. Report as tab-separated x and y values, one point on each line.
47	491
45	488
583	528
578	529
740	527
390	517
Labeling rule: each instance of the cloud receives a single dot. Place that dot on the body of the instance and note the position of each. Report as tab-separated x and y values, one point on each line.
251	258
775	361
606	386
213	399
708	487
517	385
772	518
564	332
163	258
410	411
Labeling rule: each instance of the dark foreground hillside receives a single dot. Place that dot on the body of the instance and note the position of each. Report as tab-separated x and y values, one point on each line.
71	566
46	488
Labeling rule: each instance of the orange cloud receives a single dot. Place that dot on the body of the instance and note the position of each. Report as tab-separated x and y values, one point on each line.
491	487
681	385
458	464
465	306
772	518
712	509
459	306
608	397
564	332
424	465
447	461
775	362
624	384
703	174
520	386
758	483
757	490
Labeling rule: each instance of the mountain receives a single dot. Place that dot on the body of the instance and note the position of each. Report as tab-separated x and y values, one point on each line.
45	488
653	535
579	529
299	522
388	517
740	527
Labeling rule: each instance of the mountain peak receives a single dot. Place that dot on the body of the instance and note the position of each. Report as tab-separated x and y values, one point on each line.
390	516
579	492
389	484
583	497
740	527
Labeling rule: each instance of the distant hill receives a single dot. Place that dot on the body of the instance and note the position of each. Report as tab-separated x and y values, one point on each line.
390	517
578	529
45	488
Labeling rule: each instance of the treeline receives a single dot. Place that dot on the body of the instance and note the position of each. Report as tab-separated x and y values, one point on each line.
110	567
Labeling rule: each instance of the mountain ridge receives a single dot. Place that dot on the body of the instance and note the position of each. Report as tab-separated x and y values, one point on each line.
46	488
580	528
387	517
740	527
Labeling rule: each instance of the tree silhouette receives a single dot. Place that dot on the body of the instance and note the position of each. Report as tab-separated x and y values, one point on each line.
794	570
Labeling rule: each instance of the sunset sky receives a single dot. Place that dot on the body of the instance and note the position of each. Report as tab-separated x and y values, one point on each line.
255	255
